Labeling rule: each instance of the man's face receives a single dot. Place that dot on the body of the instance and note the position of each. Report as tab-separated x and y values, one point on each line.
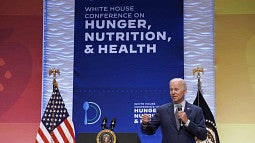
177	91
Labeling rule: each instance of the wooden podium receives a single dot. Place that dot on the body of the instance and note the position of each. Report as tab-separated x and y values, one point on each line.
121	138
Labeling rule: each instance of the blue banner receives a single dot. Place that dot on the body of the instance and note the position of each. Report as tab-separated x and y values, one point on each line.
125	53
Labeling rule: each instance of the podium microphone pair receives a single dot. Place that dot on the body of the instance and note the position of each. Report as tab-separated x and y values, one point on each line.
112	125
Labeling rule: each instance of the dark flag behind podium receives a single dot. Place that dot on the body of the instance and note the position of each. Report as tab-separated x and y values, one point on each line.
212	133
56	125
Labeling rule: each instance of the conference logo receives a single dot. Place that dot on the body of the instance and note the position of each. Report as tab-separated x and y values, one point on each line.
92	113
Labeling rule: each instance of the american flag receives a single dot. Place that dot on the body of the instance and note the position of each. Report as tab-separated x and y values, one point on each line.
56	125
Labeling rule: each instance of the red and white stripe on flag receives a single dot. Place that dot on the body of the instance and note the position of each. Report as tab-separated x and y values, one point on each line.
64	133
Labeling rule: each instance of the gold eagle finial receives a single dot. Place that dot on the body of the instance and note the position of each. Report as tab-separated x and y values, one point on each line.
54	72
198	70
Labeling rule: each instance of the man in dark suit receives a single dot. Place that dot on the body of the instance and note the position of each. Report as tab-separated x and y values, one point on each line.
180	121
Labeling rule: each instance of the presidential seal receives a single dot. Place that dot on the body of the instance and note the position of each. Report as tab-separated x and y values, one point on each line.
106	136
212	136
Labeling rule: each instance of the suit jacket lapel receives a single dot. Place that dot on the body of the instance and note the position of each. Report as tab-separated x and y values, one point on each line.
187	109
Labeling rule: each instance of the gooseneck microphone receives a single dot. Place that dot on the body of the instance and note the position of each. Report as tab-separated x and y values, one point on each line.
104	123
179	108
113	123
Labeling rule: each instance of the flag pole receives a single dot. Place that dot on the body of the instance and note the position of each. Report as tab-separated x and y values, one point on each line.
197	71
53	72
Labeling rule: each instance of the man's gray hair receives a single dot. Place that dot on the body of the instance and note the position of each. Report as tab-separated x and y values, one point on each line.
179	80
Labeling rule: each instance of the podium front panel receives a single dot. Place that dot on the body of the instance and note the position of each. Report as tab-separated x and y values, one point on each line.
121	138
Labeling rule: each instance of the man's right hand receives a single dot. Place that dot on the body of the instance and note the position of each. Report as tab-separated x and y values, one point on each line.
145	118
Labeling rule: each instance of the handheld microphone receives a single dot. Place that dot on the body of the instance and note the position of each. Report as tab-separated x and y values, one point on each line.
113	123
179	108
104	123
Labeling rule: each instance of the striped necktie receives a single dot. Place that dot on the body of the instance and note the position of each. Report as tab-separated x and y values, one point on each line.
176	117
